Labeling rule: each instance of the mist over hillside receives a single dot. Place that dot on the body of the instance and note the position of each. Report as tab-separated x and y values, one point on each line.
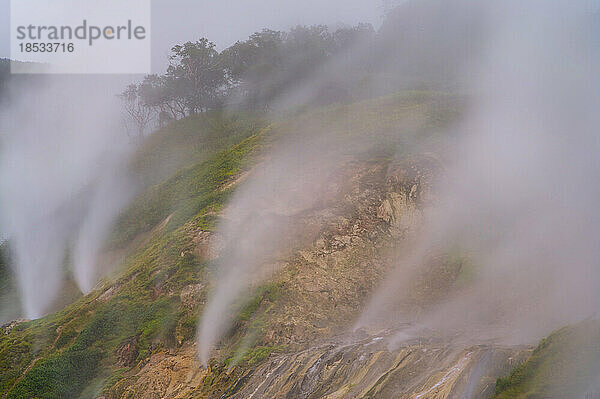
348	211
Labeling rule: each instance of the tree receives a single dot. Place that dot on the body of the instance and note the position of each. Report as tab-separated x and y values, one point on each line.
197	75
160	94
252	67
139	115
346	38
250	74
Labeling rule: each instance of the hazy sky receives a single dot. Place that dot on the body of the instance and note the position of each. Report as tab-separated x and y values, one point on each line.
226	21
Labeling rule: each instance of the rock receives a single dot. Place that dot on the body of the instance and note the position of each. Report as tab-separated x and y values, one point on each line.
191	294
10	325
127	353
208	245
400	212
385	211
108	294
352	367
165	376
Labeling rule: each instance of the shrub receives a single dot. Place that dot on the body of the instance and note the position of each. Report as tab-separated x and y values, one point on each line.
62	375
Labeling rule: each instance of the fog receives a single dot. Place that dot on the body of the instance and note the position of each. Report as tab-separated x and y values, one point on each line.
63	148
225	22
61	180
261	225
519	192
519	199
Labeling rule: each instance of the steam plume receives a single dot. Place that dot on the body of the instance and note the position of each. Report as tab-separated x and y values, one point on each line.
61	146
520	194
520	197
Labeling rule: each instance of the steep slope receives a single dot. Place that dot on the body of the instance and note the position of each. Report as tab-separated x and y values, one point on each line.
133	336
339	257
564	365
85	345
381	367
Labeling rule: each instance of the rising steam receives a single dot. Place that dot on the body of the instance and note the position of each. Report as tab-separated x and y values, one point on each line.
520	195
259	225
61	146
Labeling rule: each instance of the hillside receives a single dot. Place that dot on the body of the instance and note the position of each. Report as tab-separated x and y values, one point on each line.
103	341
134	335
563	365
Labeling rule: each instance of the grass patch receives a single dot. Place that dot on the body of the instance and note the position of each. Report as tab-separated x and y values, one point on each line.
266	292
141	308
62	375
190	141
563	365
258	354
186	194
466	268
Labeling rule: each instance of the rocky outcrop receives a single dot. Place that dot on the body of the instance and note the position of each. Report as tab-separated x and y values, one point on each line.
381	367
346	252
324	283
127	352
163	376
6	328
190	295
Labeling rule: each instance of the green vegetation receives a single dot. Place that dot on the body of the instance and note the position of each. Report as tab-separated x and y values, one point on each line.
244	344
19	348
251	73
69	350
5	273
62	375
466	269
190	191
189	141
564	365
267	293
258	354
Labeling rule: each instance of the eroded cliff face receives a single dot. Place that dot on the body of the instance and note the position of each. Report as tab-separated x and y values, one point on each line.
381	367
353	366
290	344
